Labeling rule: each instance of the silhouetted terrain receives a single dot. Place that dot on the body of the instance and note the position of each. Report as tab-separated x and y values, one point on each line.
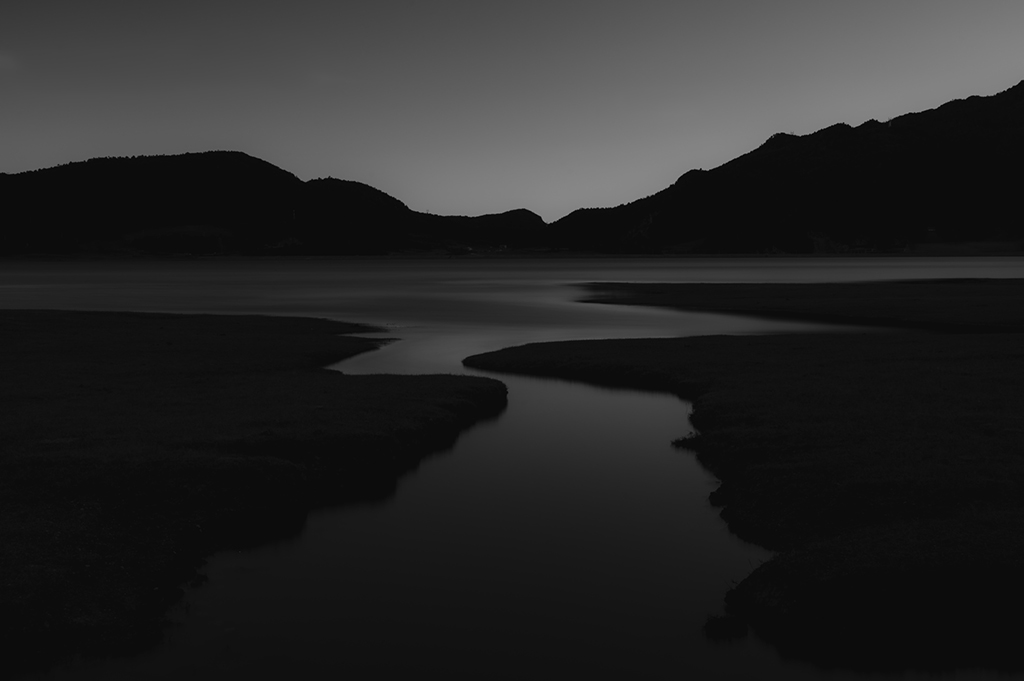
224	202
134	445
208	203
942	180
884	467
947	175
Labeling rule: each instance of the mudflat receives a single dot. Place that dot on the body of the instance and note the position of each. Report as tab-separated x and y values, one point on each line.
885	467
134	445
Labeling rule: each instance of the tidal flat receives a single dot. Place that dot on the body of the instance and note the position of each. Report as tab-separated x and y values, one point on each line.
137	444
885	467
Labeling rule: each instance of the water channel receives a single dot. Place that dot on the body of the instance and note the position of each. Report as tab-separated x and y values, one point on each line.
564	538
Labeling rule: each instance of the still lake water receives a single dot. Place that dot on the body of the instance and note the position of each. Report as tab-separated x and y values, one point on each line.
566	537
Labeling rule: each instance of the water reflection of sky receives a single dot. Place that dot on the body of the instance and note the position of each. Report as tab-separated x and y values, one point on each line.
443	310
519	291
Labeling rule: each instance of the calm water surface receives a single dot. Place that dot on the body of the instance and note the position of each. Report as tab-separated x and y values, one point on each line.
566	536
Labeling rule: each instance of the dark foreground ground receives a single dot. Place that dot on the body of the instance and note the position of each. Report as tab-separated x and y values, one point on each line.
134	445
885	467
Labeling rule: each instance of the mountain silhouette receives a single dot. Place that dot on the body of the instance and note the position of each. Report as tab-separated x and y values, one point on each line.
205	202
227	202
948	175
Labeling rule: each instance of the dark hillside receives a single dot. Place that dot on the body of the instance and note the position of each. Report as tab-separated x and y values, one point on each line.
938	181
225	202
496	231
947	175
207	202
344	217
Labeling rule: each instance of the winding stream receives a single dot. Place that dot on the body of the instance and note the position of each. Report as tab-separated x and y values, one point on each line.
565	537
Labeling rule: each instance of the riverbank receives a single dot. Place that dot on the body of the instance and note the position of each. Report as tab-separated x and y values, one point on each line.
134	445
885	467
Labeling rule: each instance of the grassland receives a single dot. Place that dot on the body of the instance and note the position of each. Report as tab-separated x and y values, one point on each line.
886	468
134	445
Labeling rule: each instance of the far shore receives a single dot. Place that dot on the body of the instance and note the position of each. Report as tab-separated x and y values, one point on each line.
886	468
924	252
941	305
136	444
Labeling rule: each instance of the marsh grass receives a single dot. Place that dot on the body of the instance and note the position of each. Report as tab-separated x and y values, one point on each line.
887	469
133	445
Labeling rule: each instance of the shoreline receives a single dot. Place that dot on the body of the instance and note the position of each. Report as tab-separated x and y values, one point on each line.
884	468
137	444
498	255
940	305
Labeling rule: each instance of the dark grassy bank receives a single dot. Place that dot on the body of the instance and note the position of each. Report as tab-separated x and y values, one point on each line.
886	468
133	445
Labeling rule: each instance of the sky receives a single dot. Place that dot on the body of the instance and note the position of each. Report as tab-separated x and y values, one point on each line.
468	107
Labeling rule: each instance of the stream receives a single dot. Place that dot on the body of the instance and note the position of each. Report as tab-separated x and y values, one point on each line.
566	537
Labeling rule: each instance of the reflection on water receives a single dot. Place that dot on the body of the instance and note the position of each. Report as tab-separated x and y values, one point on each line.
505	292
567	536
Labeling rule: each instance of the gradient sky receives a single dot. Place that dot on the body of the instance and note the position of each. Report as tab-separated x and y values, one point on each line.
468	107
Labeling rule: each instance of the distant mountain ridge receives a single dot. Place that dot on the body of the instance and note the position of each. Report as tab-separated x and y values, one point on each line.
949	175
227	202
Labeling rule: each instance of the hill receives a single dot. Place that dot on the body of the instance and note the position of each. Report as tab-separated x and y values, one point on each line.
226	202
946	175
942	180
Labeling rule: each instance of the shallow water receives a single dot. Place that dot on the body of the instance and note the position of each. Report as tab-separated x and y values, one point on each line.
519	292
566	536
547	539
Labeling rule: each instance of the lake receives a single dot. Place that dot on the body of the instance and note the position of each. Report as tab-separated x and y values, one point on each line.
564	537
